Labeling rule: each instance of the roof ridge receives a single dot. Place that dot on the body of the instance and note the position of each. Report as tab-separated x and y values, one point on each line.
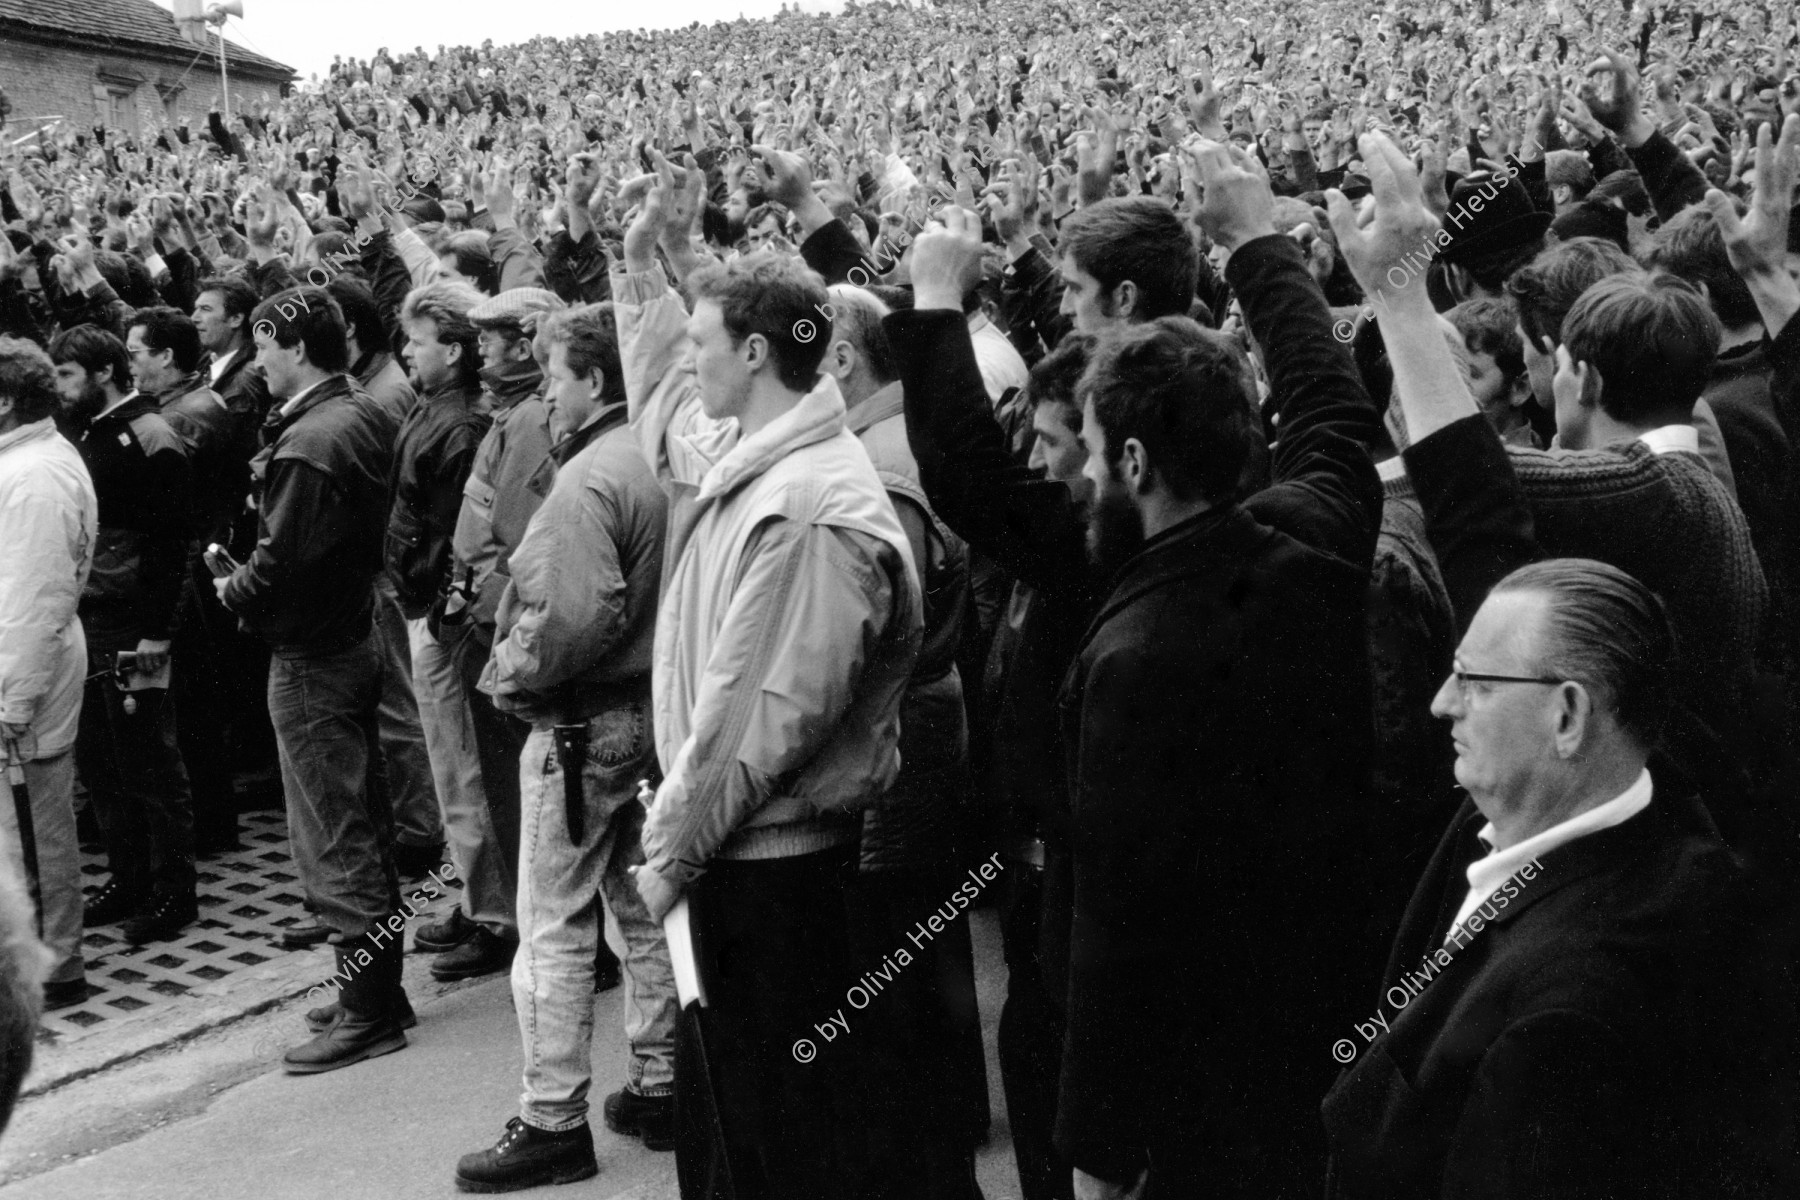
139	22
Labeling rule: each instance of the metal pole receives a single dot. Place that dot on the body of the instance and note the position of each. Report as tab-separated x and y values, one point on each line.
224	82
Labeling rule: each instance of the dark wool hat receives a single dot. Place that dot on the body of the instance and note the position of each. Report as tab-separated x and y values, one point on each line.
1489	215
423	208
1593	218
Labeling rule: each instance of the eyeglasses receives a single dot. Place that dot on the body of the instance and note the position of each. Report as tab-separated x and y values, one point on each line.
1465	678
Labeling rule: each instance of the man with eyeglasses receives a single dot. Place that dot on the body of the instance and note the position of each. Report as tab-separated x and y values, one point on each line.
1579	1001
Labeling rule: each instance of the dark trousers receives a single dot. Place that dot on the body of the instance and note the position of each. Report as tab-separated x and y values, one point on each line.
924	1060
136	781
324	709
499	741
204	696
1030	1042
773	939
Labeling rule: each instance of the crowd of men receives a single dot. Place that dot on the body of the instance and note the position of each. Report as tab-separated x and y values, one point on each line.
1304	504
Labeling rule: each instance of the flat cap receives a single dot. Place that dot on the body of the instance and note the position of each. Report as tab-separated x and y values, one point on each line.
516	306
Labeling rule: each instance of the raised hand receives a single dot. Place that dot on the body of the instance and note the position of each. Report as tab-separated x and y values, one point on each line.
581	179
686	202
497	191
946	260
26	198
1238	205
1383	242
262	218
784	175
356	192
1203	108
1612	94
1015	212
1757	242
139	235
658	191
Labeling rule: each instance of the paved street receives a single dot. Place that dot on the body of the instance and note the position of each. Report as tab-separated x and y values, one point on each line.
213	1116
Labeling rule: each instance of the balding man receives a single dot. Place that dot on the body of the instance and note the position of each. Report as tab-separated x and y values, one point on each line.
1577	1003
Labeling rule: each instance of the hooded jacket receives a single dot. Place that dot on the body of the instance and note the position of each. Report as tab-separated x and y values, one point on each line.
48	522
790	619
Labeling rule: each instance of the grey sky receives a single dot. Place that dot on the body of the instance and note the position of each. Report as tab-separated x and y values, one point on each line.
305	34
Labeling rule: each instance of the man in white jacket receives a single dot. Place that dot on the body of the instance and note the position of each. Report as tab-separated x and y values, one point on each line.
789	623
48	516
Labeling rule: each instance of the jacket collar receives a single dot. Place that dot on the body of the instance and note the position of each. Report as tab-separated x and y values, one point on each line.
1587	856
279	416
1751	358
1193	547
599	422
34	431
466	393
875	408
196	381
133	405
512	382
819	415
372	364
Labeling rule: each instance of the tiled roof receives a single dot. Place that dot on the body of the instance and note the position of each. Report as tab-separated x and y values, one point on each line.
124	25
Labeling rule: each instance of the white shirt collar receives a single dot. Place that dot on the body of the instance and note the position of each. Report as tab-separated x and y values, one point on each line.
221	363
1487	874
1667	438
121	402
287	410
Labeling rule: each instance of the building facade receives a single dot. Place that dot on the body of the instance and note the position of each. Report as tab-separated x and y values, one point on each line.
120	64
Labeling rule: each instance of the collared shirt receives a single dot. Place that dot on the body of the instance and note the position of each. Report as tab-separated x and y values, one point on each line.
1001	365
220	364
1667	438
1487	874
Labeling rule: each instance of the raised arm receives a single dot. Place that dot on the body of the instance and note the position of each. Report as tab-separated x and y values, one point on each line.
1475	512
1032	526
1325	490
1757	242
660	386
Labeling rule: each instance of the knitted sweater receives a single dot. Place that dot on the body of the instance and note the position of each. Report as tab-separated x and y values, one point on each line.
1668	521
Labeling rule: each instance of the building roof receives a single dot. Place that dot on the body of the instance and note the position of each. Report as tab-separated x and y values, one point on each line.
125	27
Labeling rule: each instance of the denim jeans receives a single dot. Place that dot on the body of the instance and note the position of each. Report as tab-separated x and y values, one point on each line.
324	709
560	921
456	770
405	761
51	782
136	780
